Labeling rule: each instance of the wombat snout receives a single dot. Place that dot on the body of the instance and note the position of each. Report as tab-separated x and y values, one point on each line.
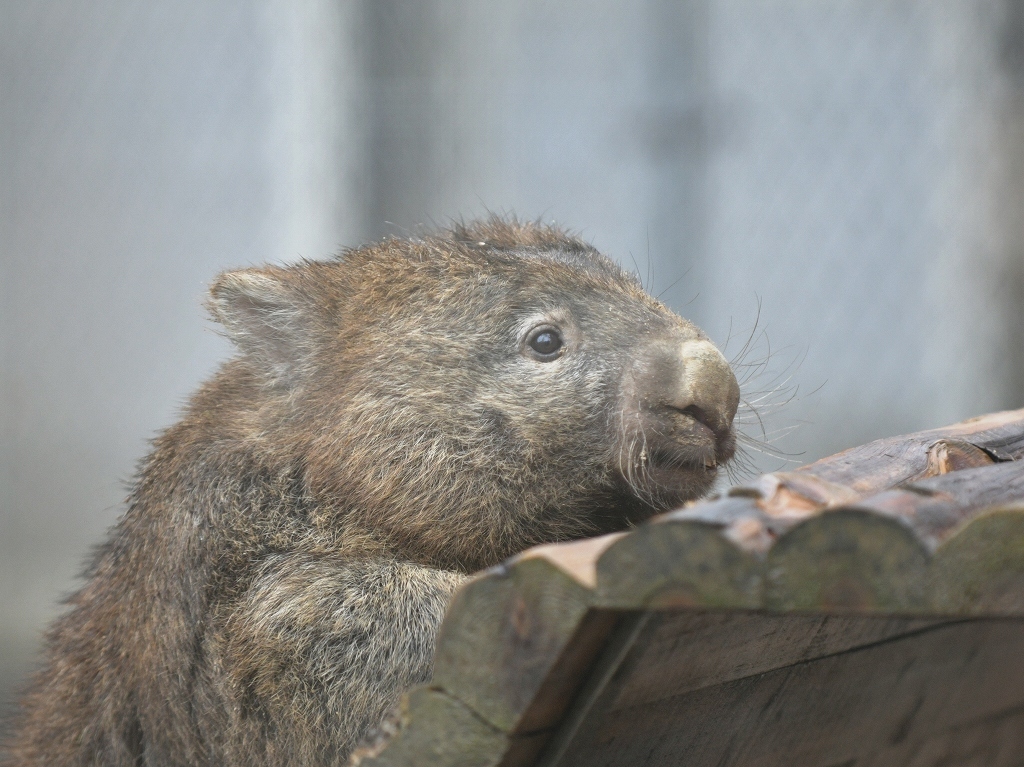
707	390
684	397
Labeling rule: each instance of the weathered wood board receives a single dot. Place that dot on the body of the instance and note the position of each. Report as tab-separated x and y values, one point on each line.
866	609
880	702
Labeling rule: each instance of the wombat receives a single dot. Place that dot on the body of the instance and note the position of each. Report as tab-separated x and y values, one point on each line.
396	418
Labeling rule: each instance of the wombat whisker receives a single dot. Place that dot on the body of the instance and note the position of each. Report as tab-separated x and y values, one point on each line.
741	467
766	404
675	282
636	269
770	396
755	407
770	436
765	447
750	337
753	367
640	478
755	417
752	371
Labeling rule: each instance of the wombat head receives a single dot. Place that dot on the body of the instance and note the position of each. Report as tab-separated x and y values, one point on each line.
465	395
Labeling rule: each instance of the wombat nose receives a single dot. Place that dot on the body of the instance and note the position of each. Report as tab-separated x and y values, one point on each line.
706	388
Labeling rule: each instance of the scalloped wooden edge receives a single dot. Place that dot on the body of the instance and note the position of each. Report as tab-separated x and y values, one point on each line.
529	630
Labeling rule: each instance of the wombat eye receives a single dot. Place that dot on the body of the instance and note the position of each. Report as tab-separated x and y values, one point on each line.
545	342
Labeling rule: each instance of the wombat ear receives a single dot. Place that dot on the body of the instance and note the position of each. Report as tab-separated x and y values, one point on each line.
266	316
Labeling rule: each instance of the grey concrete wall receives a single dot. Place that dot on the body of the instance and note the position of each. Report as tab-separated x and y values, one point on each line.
853	168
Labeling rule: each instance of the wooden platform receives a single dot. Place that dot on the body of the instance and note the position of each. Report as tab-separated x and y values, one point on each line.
866	609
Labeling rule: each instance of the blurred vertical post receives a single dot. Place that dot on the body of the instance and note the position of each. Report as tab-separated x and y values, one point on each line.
317	125
437	83
1010	197
678	130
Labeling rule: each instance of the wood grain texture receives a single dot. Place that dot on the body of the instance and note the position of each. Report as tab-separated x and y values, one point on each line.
876	554
886	462
674	658
439	731
980	569
682	564
882	702
503	637
848	560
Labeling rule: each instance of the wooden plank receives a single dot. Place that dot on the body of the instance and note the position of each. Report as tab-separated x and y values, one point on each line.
938	507
875	555
518	642
674	658
588	704
442	732
887	462
900	693
993	741
504	639
677	564
684	651
980	569
847	560
708	553
872	554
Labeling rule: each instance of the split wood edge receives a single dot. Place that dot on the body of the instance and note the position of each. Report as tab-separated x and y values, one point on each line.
929	524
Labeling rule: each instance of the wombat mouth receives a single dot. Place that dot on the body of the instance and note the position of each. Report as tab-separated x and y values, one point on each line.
691	444
683	459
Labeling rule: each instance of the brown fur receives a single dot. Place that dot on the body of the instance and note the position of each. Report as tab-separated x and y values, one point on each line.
290	545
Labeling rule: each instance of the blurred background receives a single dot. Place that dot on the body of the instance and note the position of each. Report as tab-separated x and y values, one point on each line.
843	180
